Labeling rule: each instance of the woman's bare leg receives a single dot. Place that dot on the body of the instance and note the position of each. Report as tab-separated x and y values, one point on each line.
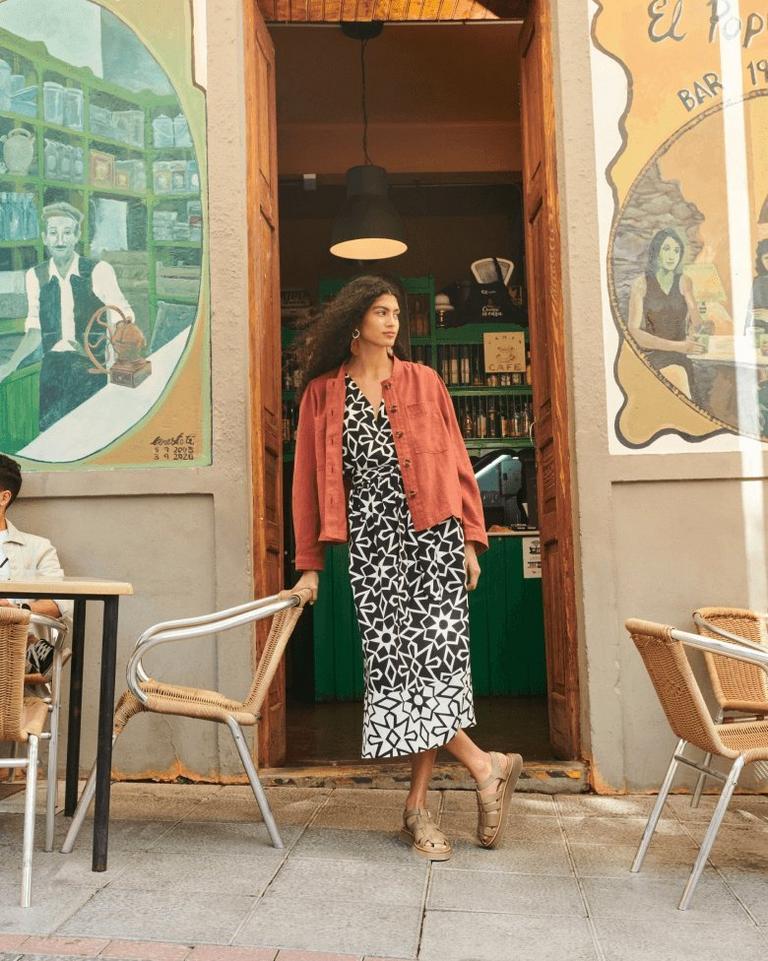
422	765
474	759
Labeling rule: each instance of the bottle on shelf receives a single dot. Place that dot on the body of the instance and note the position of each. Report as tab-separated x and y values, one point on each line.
481	423
492	419
467	421
528	373
454	364
477	366
419	316
286	422
464	365
504	417
443	363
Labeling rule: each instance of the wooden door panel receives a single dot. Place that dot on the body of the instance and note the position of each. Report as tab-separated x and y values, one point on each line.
264	341
549	382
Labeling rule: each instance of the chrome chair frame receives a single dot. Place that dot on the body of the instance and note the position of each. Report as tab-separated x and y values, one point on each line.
57	631
726	649
720	714
181	630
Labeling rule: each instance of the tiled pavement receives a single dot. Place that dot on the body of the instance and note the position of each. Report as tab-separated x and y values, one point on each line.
192	878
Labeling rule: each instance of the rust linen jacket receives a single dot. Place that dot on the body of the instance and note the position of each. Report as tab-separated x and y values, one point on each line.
438	479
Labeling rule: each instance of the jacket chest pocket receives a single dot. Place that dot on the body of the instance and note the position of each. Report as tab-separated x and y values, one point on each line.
429	435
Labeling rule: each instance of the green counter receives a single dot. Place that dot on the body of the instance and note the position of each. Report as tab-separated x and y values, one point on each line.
505	623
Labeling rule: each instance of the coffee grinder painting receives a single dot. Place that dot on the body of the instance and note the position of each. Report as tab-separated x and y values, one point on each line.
103	267
688	288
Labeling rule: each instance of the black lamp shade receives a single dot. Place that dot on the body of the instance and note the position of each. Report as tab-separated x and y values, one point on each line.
368	226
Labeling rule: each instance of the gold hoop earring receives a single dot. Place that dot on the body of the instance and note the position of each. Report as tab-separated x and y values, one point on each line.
355	333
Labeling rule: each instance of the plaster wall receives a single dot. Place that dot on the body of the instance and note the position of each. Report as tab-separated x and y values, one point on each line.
181	536
657	535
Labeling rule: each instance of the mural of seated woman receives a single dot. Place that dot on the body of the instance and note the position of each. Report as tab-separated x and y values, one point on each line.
662	312
62	294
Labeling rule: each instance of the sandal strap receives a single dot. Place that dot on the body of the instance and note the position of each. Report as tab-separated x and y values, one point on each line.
495	774
420	824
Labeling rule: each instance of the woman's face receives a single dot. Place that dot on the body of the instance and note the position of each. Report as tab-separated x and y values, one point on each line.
381	322
669	254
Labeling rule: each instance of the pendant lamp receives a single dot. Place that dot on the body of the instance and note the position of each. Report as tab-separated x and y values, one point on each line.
367	227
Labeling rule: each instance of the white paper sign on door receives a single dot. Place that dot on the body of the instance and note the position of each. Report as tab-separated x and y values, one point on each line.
531	557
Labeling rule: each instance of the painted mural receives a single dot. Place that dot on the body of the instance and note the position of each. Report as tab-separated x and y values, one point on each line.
687	257
104	324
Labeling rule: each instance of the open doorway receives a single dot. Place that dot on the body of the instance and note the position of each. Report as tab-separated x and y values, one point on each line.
474	181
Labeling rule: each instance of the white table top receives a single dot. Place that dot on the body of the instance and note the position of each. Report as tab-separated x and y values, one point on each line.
64	587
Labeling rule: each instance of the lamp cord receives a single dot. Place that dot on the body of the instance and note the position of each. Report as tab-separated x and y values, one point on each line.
363	45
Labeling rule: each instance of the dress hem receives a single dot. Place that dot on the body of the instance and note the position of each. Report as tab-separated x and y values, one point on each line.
431	747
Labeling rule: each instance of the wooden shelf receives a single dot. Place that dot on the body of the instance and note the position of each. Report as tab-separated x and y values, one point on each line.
480	391
488	443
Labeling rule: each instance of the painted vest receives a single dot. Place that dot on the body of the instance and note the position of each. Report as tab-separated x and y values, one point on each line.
86	302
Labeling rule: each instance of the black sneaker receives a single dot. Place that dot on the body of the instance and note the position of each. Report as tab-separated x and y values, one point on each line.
40	657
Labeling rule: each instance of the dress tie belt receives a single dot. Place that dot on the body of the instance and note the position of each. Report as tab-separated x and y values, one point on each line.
374	476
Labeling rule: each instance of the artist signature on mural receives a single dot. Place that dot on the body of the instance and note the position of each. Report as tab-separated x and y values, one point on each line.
666	19
181	447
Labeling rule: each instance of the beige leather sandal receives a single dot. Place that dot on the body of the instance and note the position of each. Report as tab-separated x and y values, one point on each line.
492	809
424	836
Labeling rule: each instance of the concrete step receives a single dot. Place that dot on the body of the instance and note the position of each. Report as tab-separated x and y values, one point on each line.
544	777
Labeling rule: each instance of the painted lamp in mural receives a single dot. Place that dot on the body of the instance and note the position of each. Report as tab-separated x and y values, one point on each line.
18	151
130	368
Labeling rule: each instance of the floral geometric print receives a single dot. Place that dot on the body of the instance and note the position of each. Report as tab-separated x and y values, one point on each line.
410	598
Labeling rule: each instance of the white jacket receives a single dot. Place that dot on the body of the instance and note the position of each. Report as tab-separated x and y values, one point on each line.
28	555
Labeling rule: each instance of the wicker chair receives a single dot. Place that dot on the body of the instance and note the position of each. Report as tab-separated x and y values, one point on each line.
146	694
741	690
22	721
48	687
663	652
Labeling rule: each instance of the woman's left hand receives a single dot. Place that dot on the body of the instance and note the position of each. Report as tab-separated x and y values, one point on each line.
471	566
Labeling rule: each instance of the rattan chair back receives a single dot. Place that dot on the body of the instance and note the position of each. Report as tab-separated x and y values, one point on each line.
677	689
271	656
14	626
737	686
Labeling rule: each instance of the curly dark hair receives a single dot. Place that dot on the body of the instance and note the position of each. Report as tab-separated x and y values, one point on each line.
10	476
324	343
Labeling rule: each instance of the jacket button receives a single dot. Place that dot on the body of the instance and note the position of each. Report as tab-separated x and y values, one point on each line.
393	409
387	386
398	433
406	463
411	493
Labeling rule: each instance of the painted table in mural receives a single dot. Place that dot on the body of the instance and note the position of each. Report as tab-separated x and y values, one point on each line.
80	590
732	385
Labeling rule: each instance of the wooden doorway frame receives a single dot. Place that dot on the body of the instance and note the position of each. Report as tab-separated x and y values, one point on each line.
561	627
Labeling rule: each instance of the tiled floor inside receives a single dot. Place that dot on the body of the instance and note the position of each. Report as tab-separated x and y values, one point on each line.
191	867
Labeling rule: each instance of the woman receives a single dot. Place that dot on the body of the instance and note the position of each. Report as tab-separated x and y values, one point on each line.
662	312
380	462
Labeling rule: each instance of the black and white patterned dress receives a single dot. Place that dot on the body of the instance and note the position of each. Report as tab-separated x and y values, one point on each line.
410	596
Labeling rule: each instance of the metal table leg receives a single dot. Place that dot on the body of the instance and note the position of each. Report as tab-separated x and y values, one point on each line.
104	746
75	706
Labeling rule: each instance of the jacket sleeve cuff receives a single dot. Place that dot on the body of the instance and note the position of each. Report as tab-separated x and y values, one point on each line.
311	560
478	536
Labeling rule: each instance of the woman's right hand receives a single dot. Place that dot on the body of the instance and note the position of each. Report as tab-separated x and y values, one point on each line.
309	580
691	346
